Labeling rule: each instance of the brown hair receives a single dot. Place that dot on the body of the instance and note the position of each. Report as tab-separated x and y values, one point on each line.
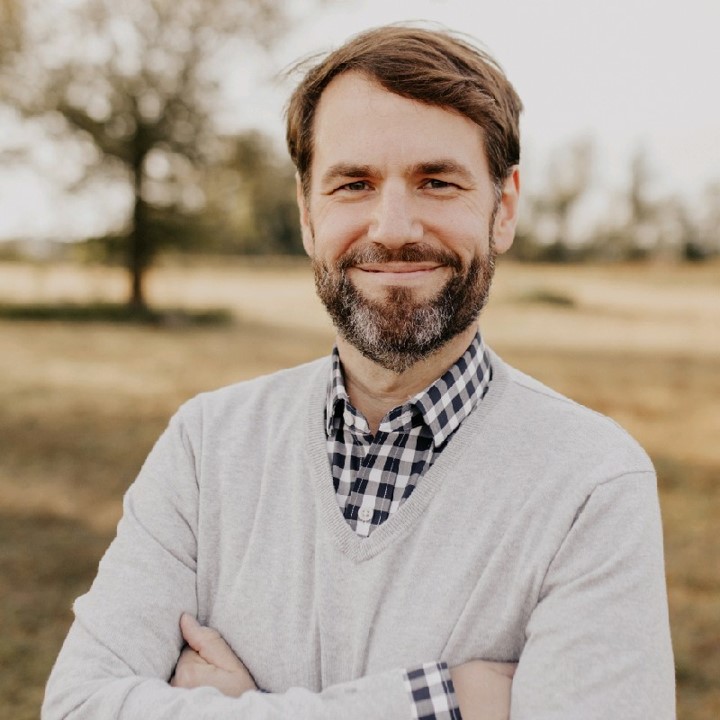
430	66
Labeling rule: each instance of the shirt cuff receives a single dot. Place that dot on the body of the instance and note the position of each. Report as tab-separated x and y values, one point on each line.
432	692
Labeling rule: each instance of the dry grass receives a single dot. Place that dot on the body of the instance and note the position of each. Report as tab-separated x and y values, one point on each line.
81	405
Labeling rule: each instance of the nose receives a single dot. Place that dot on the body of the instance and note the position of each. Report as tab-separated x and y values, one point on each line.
394	222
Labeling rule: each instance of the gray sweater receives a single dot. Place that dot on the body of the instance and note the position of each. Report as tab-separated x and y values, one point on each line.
535	537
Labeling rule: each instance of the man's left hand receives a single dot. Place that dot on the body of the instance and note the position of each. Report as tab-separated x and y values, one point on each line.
208	661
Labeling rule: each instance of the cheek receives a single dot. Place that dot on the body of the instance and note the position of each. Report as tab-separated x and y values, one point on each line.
337	228
466	235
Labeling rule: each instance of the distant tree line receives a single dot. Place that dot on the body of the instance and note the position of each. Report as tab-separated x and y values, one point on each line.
637	224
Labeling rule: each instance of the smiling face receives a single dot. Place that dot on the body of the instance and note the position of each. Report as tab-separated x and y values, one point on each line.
402	220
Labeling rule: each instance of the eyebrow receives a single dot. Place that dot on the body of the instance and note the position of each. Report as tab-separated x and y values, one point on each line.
432	167
348	170
443	167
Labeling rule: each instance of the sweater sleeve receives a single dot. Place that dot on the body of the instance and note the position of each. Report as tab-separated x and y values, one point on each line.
125	641
598	641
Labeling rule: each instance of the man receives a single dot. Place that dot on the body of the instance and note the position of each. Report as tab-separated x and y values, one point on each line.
394	531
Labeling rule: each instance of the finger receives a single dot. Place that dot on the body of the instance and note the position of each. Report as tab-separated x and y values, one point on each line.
208	643
188	658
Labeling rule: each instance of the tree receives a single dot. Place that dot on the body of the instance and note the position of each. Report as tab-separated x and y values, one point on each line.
707	243
251	198
569	178
651	226
545	231
140	78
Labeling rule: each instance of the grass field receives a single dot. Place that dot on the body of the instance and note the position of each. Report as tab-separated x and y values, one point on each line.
81	404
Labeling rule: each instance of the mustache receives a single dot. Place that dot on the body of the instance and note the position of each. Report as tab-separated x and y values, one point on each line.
419	252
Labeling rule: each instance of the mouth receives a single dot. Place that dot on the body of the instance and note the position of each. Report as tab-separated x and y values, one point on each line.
398	268
397	273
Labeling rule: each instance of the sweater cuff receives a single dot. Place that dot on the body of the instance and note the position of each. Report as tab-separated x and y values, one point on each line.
432	692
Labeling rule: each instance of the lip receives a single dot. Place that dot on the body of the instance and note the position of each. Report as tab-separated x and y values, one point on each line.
398	268
397	273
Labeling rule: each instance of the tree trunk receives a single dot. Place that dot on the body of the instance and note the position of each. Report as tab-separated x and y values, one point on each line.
138	252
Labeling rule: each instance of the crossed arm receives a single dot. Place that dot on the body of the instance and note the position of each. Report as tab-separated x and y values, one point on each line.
596	644
482	688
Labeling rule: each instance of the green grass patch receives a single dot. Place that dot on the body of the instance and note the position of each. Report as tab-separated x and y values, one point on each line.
114	313
544	296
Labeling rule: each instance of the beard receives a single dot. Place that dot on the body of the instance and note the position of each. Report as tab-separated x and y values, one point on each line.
398	331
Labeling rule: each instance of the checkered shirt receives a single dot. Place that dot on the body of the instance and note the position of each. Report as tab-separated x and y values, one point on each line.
432	691
374	475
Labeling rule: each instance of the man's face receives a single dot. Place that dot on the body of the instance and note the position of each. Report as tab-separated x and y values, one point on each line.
402	220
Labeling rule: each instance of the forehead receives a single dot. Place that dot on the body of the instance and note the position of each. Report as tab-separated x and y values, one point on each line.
359	121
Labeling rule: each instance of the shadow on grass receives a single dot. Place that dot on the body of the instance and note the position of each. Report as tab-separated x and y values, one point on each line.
544	296
115	313
45	563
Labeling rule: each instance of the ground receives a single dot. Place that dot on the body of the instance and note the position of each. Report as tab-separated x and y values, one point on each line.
81	404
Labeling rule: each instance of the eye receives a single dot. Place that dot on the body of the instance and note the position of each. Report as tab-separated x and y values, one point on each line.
356	186
436	184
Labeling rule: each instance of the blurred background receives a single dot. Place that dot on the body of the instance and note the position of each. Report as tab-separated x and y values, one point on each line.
149	250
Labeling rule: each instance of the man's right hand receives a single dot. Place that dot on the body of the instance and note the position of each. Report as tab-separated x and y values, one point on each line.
483	689
208	661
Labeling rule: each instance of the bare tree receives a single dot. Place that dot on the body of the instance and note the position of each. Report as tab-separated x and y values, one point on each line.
654	226
141	79
569	177
701	240
546	228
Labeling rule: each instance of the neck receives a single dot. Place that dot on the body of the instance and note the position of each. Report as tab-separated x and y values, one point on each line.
375	390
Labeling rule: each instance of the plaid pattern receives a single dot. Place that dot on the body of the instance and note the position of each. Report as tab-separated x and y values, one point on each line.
432	691
373	476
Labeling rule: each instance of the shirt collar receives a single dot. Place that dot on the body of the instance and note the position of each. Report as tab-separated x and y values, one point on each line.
441	407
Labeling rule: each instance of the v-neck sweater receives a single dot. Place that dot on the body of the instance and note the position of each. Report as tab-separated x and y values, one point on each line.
534	538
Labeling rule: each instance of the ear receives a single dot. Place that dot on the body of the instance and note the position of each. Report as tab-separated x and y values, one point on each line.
305	225
506	218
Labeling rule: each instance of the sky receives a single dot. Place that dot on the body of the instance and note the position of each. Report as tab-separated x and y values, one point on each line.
629	74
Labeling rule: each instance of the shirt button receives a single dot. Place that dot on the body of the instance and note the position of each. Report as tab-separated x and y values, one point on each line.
365	514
